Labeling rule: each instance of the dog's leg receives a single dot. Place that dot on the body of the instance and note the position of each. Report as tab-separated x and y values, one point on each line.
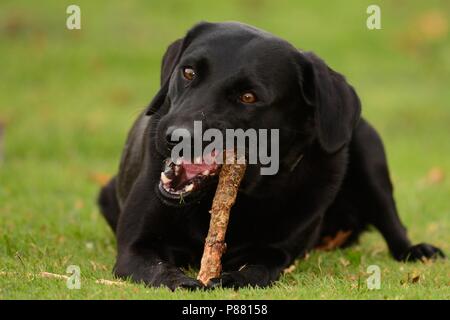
143	230
369	174
146	266
109	206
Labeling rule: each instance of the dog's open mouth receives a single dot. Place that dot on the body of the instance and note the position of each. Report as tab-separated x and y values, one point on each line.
182	178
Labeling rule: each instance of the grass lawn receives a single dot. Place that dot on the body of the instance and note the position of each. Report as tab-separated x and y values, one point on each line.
68	98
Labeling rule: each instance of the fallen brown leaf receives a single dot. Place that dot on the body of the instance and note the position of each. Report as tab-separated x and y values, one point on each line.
100	178
79	204
330	243
433	25
15	24
415	279
435	176
411	278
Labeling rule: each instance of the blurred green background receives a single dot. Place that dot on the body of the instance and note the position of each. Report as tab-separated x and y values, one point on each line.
68	98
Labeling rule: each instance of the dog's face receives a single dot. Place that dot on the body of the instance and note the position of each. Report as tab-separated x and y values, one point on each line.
232	76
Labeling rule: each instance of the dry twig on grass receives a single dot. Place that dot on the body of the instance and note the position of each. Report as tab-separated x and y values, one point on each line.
50	275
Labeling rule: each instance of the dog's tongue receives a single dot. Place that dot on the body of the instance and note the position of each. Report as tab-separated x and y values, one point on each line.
193	169
203	165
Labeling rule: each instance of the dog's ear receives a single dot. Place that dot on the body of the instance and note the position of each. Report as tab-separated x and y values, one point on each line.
337	108
170	61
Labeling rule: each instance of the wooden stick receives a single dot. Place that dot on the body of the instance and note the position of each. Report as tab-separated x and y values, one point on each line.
229	180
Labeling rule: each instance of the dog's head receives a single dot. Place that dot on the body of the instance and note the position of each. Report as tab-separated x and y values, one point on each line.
231	75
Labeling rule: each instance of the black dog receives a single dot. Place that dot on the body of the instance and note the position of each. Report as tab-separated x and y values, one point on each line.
332	176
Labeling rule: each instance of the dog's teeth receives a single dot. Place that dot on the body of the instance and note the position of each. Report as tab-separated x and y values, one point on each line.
169	174
178	161
189	187
206	172
164	179
198	160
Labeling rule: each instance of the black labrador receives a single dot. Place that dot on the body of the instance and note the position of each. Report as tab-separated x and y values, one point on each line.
332	177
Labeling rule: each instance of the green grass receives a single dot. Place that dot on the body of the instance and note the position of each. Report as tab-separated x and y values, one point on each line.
68	98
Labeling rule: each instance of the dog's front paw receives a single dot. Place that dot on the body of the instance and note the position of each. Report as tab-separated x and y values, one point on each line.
184	282
226	280
247	276
421	251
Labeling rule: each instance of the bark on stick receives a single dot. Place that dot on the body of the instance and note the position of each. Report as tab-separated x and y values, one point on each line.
229	179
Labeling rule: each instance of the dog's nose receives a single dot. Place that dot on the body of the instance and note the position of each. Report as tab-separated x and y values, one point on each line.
175	135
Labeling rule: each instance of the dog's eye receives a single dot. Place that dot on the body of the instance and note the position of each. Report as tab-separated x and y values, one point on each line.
188	73
248	97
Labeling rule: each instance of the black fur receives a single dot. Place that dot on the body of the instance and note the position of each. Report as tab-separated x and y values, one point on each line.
341	183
